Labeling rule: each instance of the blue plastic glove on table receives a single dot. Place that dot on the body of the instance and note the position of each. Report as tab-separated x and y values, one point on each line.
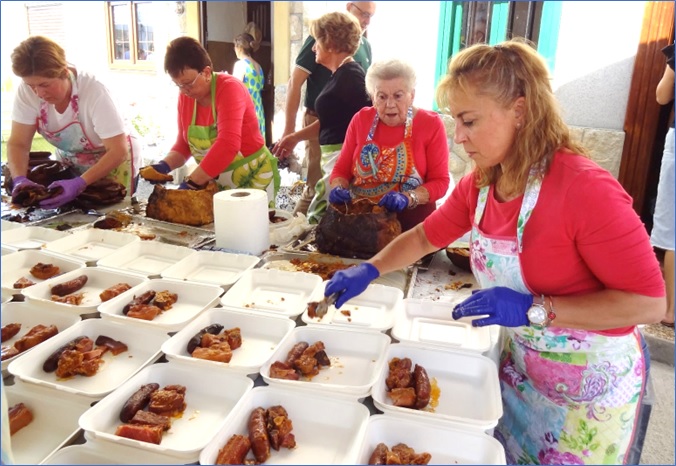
394	201
351	282
71	189
21	182
340	196
501	306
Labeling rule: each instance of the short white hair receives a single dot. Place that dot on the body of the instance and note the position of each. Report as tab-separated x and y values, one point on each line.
389	69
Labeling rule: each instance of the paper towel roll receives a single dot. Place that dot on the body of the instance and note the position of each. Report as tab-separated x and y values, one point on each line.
241	220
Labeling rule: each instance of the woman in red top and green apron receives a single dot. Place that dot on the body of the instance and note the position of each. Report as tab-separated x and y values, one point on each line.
218	126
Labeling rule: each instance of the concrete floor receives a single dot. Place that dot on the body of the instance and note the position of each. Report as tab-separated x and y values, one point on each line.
659	444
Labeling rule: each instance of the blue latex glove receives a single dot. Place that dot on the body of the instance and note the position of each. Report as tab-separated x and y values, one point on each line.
502	305
351	282
162	167
189	185
394	201
71	189
340	196
21	182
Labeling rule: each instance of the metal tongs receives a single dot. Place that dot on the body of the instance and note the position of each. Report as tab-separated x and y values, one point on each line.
322	307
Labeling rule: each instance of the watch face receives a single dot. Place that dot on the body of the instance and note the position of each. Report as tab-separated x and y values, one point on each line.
537	315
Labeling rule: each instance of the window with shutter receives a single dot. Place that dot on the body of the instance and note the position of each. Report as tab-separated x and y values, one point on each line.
131	34
46	19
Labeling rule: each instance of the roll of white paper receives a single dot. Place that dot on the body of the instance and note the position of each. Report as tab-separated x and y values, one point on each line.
241	220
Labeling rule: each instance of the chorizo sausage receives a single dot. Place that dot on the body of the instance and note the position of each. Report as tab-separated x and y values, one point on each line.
234	451
52	361
145	298
137	401
296	353
379	455
196	340
258	435
71	286
423	388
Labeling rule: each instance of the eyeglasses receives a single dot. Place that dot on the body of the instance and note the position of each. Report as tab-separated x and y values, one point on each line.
362	13
190	85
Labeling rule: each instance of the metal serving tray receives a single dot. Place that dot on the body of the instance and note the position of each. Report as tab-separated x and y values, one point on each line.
74	220
170	233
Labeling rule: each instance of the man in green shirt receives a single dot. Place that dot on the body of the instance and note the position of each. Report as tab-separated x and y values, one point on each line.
316	75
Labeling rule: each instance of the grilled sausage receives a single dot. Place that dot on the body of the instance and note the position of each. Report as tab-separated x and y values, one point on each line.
195	341
379	455
234	451
145	298
52	361
137	401
10	330
423	388
258	435
116	347
71	286
296	353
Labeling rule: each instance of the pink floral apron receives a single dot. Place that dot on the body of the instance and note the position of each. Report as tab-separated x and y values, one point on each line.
76	150
255	171
569	396
380	170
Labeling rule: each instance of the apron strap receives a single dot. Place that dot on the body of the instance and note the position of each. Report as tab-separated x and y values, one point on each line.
213	100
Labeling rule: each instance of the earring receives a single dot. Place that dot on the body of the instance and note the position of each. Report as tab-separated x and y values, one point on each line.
518	126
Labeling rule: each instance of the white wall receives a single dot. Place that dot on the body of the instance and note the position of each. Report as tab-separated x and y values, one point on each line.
225	20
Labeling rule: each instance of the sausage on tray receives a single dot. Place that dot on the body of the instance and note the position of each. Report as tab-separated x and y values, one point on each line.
137	401
234	451
379	455
296	353
423	388
71	286
52	361
145	298
258	435
196	340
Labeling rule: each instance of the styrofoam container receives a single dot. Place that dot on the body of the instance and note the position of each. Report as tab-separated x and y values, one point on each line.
31	237
374	309
150	258
468	383
7	225
446	445
143	349
6	297
327	429
261	334
430	324
212	267
357	358
29	315
272	291
55	421
98	279
8	250
15	266
97	452
193	298
92	244
210	397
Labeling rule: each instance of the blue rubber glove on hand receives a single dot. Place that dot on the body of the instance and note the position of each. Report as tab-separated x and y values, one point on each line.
162	167
502	305
394	201
351	282
340	196
21	182
71	189
191	186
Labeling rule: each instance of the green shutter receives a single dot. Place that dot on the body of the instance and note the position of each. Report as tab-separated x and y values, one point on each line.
549	31
450	24
499	18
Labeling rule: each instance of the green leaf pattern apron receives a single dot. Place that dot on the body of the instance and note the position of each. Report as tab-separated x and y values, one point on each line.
569	396
254	171
320	201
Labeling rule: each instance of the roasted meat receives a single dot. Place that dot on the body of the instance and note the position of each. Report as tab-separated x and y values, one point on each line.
110	293
144	311
234	451
72	299
35	336
142	433
184	206
169	401
150	174
151	419
404	397
10	330
279	428
44	271
400	373
19	417
219	352
165	299
22	282
280	370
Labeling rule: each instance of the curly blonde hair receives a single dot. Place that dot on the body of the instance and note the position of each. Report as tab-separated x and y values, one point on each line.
505	72
337	31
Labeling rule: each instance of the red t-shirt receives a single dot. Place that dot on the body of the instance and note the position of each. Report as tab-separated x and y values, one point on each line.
237	125
430	147
582	236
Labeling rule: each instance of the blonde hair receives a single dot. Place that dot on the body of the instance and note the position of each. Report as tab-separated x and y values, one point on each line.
338	31
389	69
39	56
256	35
505	72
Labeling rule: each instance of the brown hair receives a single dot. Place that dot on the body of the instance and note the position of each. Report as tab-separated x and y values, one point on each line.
39	56
505	72
185	53
338	31
246	43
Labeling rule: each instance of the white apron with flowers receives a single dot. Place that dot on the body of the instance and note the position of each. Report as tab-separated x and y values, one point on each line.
569	396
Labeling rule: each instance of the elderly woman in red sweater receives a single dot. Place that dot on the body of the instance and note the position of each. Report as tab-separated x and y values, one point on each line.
394	153
217	124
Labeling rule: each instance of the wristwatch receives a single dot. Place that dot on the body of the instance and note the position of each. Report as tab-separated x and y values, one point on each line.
538	315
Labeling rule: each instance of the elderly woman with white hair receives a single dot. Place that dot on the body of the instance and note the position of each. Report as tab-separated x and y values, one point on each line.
394	153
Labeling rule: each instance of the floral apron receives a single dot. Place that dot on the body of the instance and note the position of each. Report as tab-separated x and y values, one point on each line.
569	396
255	171
380	170
320	201
76	150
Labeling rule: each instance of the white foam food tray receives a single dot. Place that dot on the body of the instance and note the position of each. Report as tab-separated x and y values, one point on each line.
193	298
31	237
150	258
143	348
261	334
6	297
374	309
213	267
55	421
98	279
430	323
445	444
15	266
29	315
7	225
97	452
468	383
272	291
210	397
357	358
326	429
7	250
92	244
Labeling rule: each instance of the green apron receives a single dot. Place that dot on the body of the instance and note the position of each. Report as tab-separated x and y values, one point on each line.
320	201
254	171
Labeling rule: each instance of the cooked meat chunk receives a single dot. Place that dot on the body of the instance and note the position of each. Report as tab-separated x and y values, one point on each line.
142	433
10	330
167	401
258	435
234	451
110	293
116	347
407	455
150	419
165	300
219	352
144	311
187	207
279	370
400	373
69	362
150	174
307	363
404	397
279	428
72	299
234	337
22	282
19	417
35	336
44	271
9	352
